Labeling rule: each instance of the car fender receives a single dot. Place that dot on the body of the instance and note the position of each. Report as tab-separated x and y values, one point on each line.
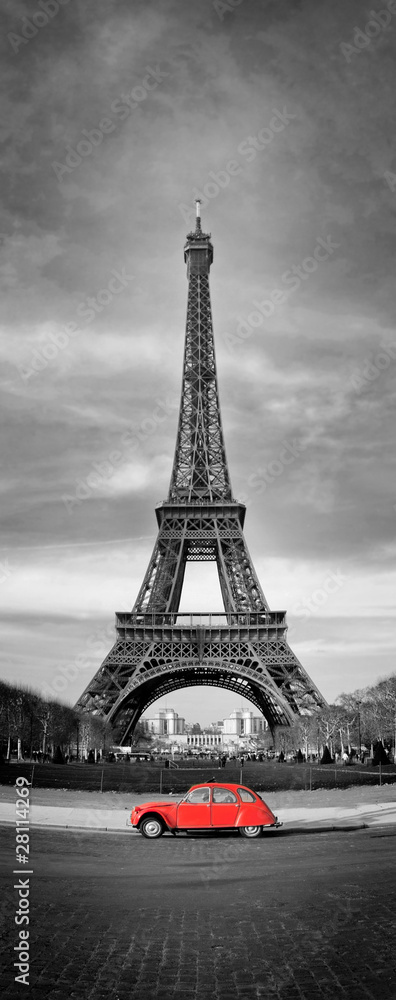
166	815
252	815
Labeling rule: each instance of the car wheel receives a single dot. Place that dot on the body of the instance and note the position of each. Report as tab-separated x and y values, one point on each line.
151	828
250	831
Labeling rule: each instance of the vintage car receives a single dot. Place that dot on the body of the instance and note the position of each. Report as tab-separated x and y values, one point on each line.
211	805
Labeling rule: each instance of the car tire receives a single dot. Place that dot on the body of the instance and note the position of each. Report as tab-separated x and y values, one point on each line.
250	831
151	828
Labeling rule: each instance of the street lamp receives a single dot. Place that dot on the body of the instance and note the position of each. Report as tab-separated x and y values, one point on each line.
358	722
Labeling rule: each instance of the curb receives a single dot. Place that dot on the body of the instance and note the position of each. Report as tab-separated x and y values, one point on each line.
297	830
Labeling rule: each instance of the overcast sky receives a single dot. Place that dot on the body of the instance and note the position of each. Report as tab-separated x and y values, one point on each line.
81	381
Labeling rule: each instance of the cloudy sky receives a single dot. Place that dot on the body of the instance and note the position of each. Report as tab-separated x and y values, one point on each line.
115	114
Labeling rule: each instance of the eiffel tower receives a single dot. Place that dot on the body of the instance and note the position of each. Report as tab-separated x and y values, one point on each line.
157	648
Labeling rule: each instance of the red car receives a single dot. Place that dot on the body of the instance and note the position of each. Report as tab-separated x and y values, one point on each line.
209	806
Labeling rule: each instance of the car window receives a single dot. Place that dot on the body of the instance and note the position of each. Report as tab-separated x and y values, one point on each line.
246	796
198	795
223	795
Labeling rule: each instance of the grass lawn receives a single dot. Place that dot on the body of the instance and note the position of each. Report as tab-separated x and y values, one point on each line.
280	784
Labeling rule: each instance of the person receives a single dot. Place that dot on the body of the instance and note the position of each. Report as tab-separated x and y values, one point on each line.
223	795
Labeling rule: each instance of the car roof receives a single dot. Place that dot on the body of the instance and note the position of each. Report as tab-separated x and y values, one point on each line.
222	784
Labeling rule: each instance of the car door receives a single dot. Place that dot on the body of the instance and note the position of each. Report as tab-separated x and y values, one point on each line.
193	813
225	807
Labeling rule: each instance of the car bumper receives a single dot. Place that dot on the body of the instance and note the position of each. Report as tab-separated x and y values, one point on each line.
272	826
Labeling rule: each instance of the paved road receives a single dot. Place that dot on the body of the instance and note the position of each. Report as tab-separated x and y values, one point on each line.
289	916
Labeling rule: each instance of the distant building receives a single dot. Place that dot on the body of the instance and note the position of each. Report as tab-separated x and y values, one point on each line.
242	722
202	741
238	730
166	722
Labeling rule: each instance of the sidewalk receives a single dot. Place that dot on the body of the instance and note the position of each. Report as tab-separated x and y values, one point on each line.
73	817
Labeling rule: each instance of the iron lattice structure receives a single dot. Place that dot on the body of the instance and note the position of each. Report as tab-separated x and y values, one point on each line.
157	649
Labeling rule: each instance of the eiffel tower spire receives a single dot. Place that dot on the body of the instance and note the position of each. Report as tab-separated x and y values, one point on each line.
200	470
243	649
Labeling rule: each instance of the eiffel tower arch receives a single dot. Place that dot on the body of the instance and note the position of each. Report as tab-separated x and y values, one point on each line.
158	649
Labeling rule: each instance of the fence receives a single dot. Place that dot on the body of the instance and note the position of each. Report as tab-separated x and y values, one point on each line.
152	777
382	776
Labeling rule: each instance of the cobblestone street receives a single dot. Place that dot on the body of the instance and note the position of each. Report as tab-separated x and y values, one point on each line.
288	916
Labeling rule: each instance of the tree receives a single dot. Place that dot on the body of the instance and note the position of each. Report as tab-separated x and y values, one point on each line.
28	719
32	726
94	732
141	735
305	735
335	725
15	716
374	711
383	697
380	757
58	757
5	713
